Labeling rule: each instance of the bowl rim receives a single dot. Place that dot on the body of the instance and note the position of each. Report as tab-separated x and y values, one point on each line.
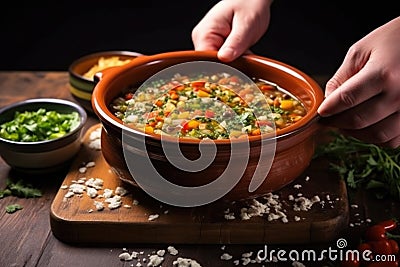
106	115
80	60
57	101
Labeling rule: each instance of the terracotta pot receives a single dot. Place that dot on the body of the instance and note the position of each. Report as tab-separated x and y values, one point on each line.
294	144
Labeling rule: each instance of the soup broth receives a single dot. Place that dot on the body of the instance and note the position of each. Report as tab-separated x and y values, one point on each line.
217	106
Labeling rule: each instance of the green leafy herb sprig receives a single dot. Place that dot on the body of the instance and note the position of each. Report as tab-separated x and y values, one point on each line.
39	125
364	165
13	208
18	189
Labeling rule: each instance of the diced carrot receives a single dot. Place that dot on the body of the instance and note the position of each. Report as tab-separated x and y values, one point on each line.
152	123
266	87
174	96
180	88
198	84
159	103
256	131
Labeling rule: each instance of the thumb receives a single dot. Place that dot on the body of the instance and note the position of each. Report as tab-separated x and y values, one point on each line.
352	64
236	43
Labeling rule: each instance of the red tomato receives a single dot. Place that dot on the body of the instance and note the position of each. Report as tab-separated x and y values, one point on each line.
128	96
381	247
389	224
198	84
234	79
209	114
375	233
185	127
394	245
364	246
350	263
263	123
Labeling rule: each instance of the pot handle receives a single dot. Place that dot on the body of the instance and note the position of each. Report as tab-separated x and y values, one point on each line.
99	75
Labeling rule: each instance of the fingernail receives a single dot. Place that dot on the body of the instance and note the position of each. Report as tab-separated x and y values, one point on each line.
226	54
322	112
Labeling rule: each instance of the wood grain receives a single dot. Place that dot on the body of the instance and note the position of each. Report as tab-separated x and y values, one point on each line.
71	220
26	235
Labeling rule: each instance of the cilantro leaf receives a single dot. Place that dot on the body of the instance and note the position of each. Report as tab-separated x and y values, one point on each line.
20	189
363	165
5	193
13	208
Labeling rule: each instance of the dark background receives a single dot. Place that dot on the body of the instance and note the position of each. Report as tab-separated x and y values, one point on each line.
310	35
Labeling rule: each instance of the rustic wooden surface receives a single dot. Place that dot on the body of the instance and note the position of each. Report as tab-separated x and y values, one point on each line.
75	219
26	236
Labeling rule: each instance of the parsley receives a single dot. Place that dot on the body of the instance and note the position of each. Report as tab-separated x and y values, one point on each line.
5	193
19	189
364	165
40	125
13	208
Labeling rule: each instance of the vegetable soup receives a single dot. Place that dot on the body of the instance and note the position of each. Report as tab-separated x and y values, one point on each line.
218	106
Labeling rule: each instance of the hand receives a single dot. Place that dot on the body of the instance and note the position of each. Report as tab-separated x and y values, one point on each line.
363	97
231	27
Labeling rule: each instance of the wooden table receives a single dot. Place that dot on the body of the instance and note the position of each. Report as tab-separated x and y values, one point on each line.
26	238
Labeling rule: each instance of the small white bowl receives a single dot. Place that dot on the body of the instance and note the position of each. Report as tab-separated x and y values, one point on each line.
45	155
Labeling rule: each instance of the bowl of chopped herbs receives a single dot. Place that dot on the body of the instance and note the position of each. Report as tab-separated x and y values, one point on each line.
39	134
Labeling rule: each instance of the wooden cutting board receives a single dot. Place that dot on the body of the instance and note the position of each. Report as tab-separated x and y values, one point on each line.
76	220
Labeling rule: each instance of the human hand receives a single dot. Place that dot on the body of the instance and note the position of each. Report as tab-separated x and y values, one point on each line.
231	27
363	97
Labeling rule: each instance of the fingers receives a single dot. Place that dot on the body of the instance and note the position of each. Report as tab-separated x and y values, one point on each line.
211	32
366	114
356	90
231	27
237	41
384	133
353	62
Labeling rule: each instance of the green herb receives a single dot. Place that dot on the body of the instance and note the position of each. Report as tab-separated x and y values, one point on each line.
40	125
20	189
5	193
364	165
13	208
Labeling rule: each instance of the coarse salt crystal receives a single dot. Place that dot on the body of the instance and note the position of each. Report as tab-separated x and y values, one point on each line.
297	186
161	252
152	217
172	250
99	205
121	191
155	260
69	194
91	192
184	262
125	256
226	256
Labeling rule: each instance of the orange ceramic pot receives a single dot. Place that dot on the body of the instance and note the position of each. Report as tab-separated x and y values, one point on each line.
293	146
